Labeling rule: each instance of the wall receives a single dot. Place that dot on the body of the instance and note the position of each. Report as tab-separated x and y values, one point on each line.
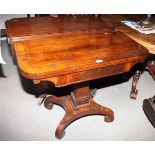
4	17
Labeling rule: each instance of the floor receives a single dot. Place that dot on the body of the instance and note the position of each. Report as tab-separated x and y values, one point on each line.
21	119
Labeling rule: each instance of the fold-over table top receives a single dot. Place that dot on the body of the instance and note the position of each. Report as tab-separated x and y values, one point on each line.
48	47
68	53
27	28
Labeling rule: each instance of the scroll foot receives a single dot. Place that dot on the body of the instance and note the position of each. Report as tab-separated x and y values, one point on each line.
75	111
49	101
92	108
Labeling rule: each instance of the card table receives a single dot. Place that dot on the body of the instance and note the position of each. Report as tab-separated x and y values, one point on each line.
70	50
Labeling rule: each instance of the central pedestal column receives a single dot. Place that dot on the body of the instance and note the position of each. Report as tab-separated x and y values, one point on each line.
79	104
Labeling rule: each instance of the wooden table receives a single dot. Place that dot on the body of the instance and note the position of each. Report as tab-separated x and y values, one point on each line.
72	51
147	40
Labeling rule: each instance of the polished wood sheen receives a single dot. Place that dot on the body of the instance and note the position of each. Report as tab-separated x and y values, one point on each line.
72	50
28	28
72	58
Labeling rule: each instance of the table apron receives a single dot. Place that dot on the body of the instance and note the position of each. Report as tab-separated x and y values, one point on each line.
89	75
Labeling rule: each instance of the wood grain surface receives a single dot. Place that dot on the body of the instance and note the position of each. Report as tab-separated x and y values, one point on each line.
76	52
68	49
28	28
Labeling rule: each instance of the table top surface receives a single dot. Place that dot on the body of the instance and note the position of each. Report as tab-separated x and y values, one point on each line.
69	45
28	28
69	53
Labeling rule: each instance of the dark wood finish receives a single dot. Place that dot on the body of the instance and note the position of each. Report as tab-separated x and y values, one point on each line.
81	105
22	29
80	94
59	60
72	50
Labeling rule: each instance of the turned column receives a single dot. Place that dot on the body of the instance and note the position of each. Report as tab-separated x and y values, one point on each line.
80	94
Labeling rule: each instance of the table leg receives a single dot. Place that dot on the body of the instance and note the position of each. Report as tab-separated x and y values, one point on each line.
79	104
134	91
150	67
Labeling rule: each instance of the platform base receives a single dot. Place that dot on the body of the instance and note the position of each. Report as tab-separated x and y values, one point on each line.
82	106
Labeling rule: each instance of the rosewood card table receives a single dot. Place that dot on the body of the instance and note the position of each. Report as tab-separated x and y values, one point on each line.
72	51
